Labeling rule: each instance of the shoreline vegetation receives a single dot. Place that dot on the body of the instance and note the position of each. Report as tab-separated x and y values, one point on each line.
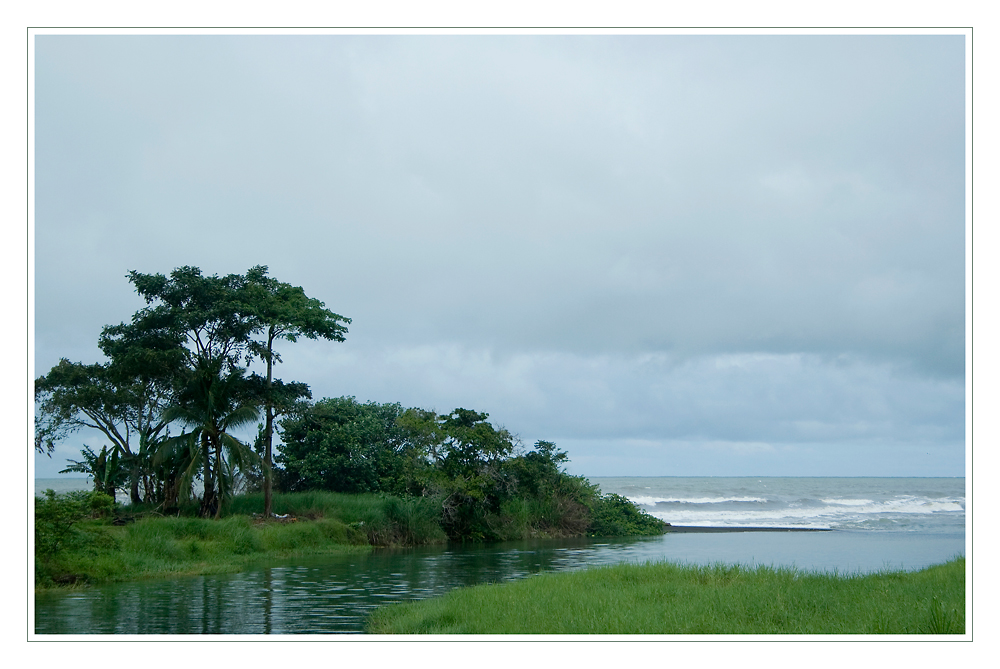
85	538
669	598
195	367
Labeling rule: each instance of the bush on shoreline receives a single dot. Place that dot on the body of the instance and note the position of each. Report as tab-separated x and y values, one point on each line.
615	516
485	485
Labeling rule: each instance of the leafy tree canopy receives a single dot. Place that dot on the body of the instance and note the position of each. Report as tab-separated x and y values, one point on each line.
343	445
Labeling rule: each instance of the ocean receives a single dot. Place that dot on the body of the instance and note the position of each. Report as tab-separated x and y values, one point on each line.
63	485
874	523
924	505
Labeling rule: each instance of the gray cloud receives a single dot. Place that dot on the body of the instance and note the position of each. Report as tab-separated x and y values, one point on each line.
575	232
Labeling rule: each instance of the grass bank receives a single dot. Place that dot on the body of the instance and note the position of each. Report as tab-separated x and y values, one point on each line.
85	538
73	548
666	598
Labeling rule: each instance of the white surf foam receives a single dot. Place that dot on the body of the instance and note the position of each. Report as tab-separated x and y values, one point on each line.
836	512
652	501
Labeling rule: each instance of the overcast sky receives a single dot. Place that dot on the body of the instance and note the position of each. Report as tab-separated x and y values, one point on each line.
671	255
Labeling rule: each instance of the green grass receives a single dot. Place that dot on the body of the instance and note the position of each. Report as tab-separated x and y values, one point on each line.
385	520
666	598
157	547
95	551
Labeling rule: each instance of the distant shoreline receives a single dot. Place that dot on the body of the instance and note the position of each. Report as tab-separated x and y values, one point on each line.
701	529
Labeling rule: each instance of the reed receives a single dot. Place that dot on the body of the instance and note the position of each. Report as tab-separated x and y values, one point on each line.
667	598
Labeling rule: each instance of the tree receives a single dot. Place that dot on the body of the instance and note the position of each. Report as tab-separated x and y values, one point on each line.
195	332
214	404
342	445
198	331
284	312
113	398
467	455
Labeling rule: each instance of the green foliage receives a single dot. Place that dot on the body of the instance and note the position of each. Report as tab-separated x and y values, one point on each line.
75	543
615	516
160	546
342	445
379	519
193	339
463	464
122	399
108	472
484	490
284	312
182	361
213	404
667	598
57	526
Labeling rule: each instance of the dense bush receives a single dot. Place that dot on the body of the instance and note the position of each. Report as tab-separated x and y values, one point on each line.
482	485
341	445
57	526
615	516
374	518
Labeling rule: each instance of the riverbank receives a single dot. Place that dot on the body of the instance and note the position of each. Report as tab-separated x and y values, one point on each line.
171	547
133	543
84	539
668	598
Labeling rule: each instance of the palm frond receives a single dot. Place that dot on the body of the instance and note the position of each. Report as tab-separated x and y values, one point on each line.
240	416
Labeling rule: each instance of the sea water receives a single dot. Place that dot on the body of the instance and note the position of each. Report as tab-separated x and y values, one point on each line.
924	505
63	485
873	523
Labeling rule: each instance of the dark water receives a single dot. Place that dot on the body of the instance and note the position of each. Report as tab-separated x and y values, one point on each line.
335	594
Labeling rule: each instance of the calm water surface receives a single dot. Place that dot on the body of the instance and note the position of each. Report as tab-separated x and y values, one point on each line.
335	594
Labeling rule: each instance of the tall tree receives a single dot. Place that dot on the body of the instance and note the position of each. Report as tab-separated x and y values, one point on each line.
199	327
284	312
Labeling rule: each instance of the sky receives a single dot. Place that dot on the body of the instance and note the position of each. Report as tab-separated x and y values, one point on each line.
672	255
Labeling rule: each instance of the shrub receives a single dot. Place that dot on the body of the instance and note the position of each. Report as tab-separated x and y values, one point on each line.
57	515
57	527
615	516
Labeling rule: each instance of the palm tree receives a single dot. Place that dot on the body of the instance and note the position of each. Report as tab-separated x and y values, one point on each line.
212	404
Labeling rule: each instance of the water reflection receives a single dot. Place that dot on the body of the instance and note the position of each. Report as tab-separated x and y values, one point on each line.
334	594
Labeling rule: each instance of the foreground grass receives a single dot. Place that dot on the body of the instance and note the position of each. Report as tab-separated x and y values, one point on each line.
97	551
666	598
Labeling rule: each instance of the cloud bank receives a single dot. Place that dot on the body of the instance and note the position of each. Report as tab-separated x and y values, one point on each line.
651	249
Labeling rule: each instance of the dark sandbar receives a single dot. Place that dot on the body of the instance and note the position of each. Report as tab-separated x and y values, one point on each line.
695	529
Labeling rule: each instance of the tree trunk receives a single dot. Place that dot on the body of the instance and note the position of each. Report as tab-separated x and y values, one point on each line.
268	428
208	497
134	488
219	473
269	422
